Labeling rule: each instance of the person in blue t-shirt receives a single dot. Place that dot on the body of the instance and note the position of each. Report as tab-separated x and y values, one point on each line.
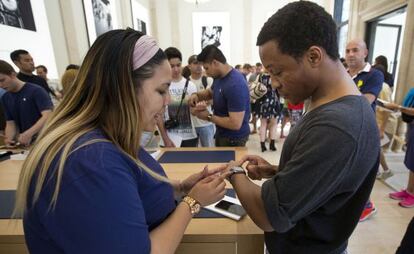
231	101
87	186
26	107
369	82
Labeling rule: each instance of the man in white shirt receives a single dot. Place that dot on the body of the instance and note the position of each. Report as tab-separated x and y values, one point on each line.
178	119
204	129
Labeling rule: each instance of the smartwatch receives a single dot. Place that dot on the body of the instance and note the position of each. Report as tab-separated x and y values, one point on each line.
236	170
210	117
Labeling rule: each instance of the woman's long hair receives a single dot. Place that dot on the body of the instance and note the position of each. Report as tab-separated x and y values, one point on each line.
103	96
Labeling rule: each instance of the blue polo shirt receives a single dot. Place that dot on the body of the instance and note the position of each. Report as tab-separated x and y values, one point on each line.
369	80
231	94
25	107
106	203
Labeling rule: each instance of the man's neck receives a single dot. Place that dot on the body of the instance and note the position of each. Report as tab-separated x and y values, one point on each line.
225	69
354	71
196	76
26	73
335	83
19	86
177	79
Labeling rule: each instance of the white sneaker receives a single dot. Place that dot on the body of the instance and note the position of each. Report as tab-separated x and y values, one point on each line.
386	174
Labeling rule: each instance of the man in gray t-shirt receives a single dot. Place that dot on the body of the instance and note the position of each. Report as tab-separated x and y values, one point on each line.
313	199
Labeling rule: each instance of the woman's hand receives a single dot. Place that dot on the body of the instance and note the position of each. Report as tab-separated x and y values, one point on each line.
187	184
209	190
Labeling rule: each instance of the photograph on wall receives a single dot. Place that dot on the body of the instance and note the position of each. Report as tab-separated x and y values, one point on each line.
140	17
210	36
211	28
100	17
17	13
141	26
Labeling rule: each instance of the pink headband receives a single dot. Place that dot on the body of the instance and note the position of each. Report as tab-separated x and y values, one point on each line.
145	48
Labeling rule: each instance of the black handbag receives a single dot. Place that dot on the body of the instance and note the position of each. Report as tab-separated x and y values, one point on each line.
173	121
406	118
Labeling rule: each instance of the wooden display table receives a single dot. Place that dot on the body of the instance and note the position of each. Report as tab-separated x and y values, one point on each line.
209	235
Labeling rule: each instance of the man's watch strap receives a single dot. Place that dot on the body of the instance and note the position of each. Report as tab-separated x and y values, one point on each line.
236	170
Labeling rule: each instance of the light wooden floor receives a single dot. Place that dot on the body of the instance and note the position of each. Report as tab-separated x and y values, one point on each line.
382	233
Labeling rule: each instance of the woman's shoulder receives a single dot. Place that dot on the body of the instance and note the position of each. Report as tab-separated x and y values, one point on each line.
94	152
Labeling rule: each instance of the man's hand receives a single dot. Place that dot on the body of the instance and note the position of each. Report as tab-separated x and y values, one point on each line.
203	115
192	101
24	139
258	168
9	142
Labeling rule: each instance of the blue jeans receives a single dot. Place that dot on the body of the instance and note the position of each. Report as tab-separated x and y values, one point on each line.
206	135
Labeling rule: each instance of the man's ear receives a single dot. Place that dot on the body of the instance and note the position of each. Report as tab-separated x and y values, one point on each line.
17	63
314	55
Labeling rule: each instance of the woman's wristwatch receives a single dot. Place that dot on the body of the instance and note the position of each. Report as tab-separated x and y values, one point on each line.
235	170
194	205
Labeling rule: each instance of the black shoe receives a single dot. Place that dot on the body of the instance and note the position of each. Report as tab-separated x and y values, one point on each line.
263	145
272	146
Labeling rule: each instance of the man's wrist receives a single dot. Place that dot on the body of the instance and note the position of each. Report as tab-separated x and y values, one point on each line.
210	117
235	171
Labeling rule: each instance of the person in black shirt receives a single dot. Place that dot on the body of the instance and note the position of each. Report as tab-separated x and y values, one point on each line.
24	61
314	197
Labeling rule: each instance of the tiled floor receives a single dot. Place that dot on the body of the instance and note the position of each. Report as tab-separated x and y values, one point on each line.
380	234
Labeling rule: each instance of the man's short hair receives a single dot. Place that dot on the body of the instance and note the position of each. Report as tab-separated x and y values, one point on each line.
192	59
259	64
210	53
15	55
172	52
247	66
6	68
42	67
298	26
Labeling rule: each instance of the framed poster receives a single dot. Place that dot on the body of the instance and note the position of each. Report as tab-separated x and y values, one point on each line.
211	28
140	17
17	13
100	16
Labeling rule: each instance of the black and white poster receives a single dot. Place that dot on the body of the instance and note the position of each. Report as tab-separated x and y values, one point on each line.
140	17
141	26
17	13
210	35
211	28
100	17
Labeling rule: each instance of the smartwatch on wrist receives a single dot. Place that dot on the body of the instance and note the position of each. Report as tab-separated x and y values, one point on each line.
210	117
236	170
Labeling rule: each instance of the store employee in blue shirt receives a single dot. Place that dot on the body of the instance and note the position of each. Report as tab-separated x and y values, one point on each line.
86	186
231	100
26	107
368	80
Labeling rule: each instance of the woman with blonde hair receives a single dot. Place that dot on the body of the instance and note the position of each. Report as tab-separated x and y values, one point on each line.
86	186
67	79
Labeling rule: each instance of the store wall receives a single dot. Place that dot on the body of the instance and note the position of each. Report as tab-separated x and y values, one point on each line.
38	43
175	26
